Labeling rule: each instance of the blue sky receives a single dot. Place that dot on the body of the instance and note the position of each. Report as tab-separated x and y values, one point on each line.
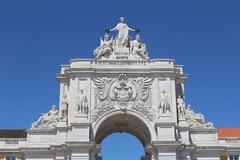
37	36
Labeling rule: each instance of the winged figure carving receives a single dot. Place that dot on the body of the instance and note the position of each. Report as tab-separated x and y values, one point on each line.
105	48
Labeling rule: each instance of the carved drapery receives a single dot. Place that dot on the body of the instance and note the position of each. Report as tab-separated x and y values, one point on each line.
197	120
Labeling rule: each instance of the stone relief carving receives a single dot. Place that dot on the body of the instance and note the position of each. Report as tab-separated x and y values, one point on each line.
181	107
82	103
143	86
197	120
164	105
47	120
102	85
122	90
64	108
123	93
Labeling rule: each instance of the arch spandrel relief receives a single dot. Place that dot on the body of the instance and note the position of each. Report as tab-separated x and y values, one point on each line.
123	92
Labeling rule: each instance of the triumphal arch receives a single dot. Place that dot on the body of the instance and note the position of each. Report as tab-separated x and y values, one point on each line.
122	90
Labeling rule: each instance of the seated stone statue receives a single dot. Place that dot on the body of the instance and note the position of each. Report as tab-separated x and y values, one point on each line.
47	118
105	48
197	120
197	116
139	48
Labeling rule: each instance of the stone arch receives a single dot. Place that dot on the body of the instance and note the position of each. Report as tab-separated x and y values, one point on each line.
124	121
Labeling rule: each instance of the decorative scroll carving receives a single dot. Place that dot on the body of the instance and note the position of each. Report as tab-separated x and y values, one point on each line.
102	85
144	87
148	112
197	120
123	93
47	120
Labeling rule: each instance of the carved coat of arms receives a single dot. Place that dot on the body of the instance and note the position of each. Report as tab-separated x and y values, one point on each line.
123	92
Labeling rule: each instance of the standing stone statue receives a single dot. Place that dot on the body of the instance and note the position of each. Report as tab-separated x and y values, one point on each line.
181	107
105	48
64	107
122	29
82	104
139	48
164	106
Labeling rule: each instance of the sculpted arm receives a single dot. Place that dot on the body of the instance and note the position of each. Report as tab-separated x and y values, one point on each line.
115	28
130	29
131	46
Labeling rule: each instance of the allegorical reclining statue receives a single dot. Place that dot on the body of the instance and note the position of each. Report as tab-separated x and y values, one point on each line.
195	120
47	120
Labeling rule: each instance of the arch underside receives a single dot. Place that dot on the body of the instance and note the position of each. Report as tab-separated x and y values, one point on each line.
124	123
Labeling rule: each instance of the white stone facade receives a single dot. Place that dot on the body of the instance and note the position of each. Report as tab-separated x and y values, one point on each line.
121	90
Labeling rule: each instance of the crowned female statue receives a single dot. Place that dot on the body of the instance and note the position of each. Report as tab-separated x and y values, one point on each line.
122	29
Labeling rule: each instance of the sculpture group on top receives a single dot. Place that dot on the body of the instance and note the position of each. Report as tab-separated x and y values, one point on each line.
122	43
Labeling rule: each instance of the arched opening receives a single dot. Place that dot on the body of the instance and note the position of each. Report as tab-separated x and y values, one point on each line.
121	146
129	125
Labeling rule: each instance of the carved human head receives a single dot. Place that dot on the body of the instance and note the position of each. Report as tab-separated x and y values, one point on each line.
122	19
54	107
106	37
138	38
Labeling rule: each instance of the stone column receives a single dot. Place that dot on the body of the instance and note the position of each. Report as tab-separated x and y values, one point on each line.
166	150
61	152
60	156
82	150
167	155
80	154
